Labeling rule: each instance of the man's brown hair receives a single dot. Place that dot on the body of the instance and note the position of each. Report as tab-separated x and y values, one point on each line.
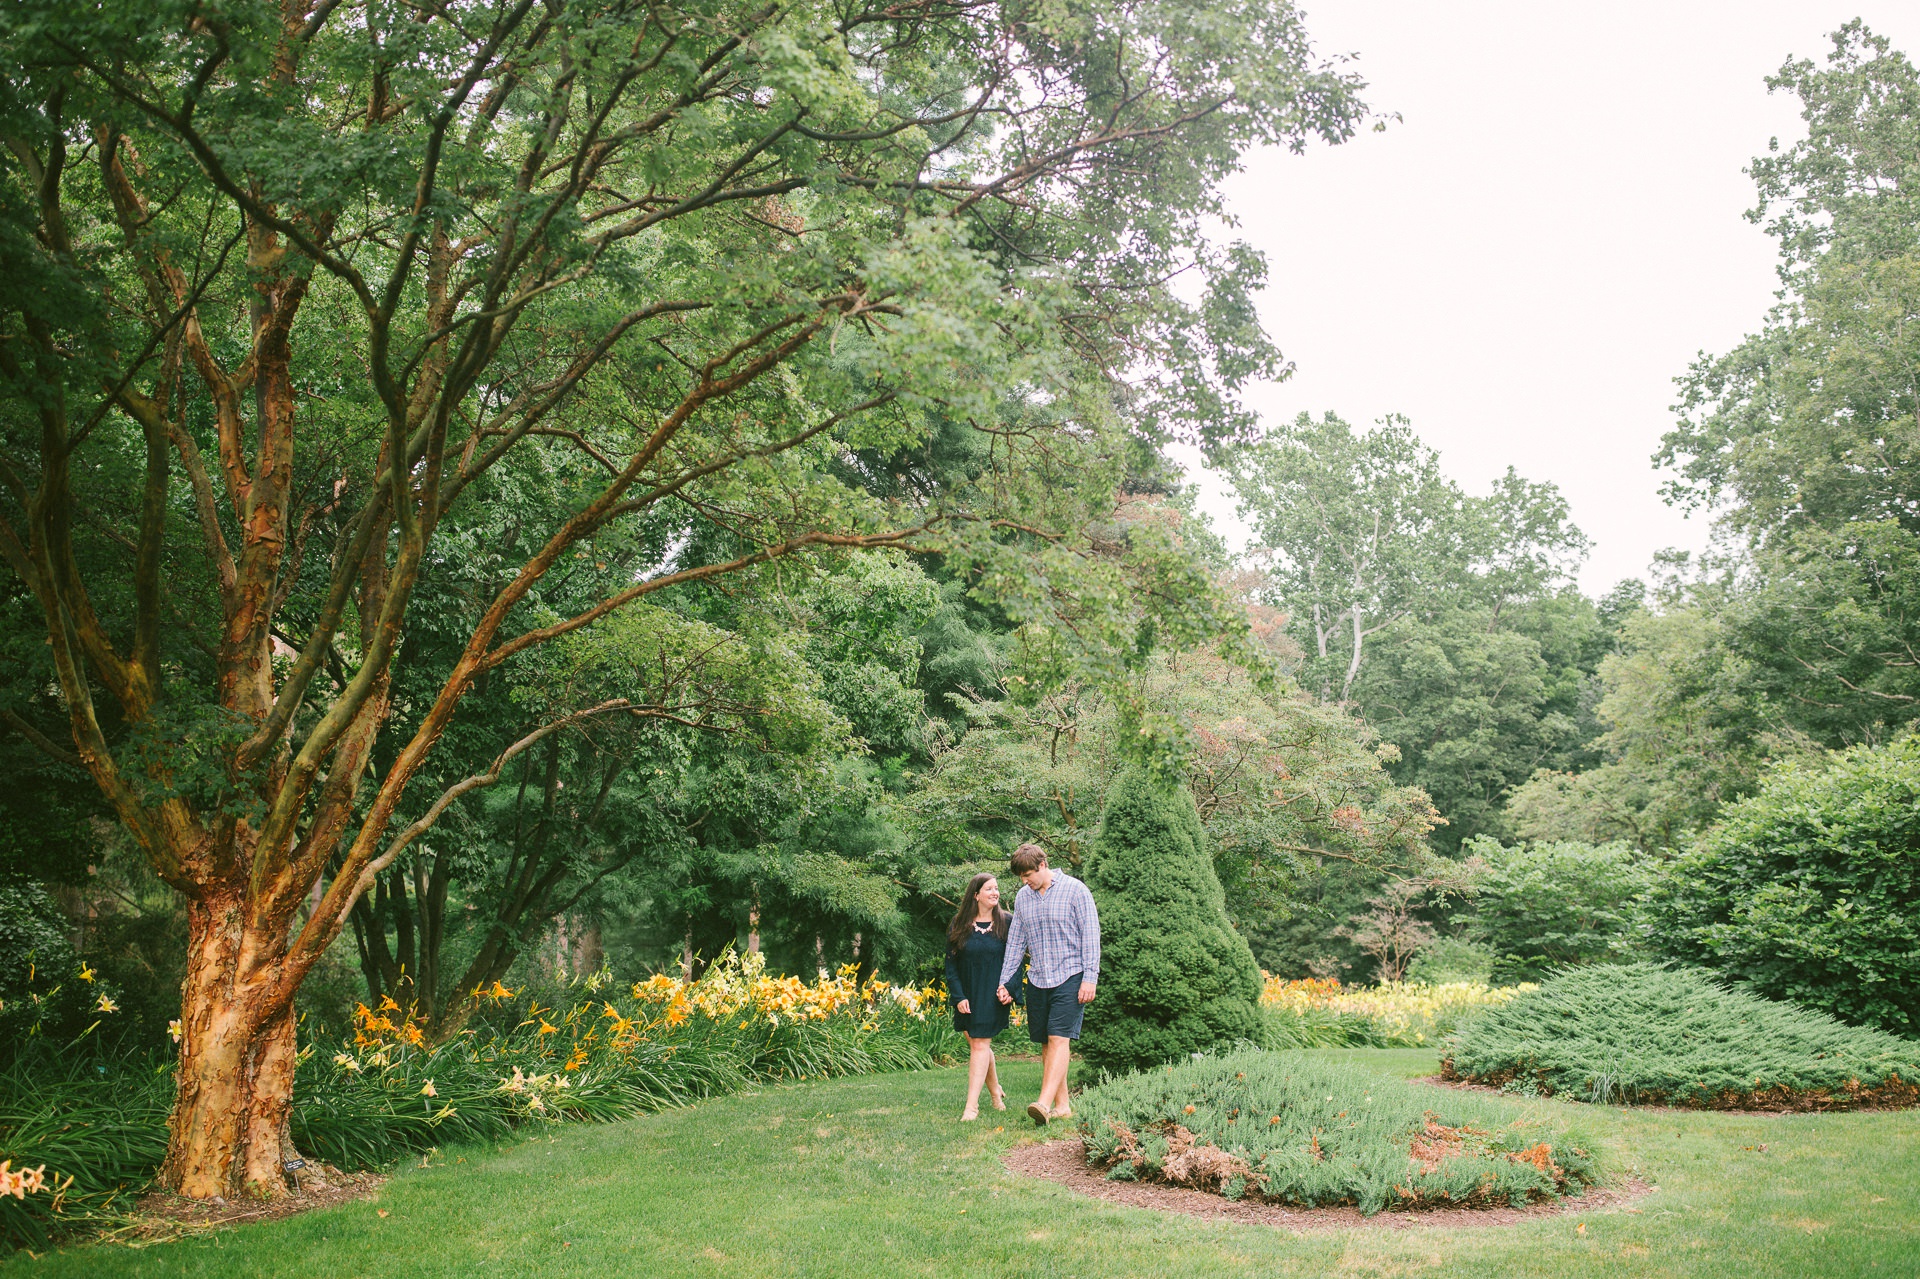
1027	858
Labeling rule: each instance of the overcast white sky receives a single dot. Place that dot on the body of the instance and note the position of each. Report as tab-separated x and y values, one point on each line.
1526	263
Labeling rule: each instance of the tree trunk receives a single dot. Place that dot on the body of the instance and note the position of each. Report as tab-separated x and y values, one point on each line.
229	1133
589	953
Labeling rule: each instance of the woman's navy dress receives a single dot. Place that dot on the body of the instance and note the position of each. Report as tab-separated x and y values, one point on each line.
973	974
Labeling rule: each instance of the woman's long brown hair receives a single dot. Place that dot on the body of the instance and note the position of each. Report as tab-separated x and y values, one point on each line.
962	926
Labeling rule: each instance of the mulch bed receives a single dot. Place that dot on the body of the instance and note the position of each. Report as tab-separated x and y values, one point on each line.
164	1215
1065	1163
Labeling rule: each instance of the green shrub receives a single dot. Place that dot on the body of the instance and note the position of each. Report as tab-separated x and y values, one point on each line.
46	991
1641	1034
1452	959
1809	890
1175	977
1296	1129
1543	906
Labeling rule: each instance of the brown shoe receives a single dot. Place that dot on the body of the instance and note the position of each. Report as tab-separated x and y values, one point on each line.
1037	1113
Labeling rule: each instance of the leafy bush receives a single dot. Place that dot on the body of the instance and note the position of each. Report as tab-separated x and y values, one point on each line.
1452	959
1641	1034
1175	977
1318	1012
371	1100
1294	1129
46	991
1543	906
1809	890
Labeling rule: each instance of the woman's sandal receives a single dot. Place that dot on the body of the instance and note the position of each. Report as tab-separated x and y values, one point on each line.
968	1116
999	1099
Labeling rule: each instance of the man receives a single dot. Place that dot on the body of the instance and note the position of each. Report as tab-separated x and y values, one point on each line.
1054	921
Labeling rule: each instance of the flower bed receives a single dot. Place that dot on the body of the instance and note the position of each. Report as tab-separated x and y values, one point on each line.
1321	1013
611	1053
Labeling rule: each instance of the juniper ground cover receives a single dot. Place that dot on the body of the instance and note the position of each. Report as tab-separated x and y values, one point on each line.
871	1175
1639	1033
1296	1128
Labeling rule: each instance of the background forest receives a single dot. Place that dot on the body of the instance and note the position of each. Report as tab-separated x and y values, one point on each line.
1417	748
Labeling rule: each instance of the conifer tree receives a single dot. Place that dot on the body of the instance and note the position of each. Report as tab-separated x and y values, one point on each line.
1175	977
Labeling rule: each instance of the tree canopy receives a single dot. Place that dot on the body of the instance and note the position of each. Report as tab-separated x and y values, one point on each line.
319	311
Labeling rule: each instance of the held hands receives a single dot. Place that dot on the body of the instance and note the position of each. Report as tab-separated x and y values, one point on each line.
1087	989
964	1010
1003	996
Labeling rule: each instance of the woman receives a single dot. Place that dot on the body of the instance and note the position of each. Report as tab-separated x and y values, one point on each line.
976	944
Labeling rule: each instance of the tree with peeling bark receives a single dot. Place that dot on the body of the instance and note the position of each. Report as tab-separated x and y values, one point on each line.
313	278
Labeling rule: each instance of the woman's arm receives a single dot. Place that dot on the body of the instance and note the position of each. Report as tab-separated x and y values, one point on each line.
956	990
1016	950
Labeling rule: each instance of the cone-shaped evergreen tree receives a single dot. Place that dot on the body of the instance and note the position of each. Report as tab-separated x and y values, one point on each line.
1175	978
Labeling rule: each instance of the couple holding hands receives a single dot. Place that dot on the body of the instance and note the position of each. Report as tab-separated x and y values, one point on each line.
1056	927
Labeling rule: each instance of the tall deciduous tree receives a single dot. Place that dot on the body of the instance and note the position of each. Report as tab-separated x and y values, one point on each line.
309	277
1446	619
1811	422
1804	436
1361	527
1802	439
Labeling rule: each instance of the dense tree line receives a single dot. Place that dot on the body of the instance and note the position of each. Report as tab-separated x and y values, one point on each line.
1583	753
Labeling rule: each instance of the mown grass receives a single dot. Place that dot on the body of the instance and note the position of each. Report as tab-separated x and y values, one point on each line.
872	1176
1643	1034
1295	1128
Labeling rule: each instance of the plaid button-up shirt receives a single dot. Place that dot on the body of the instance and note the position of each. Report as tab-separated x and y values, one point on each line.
1060	928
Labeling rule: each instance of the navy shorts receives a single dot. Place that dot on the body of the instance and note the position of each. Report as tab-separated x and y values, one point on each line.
1055	1012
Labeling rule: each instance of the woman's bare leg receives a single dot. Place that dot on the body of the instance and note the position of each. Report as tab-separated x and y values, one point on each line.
993	1079
979	1064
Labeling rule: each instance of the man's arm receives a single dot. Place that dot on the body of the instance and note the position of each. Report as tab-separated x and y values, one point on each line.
1016	950
1089	945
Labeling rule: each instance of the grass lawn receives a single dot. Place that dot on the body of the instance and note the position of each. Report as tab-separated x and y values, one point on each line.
872	1177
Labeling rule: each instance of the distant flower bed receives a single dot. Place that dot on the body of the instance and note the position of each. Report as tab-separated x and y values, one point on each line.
1318	1012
